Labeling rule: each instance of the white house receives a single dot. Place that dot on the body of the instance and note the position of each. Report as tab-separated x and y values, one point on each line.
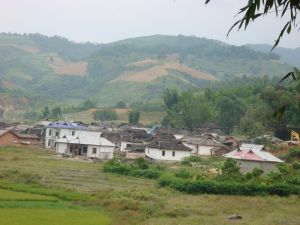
250	156
206	146
167	150
57	130
86	143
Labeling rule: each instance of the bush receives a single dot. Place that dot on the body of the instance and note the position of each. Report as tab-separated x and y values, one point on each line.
188	160
131	170
105	115
183	173
211	187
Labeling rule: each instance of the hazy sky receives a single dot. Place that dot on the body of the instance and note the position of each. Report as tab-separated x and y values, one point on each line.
110	20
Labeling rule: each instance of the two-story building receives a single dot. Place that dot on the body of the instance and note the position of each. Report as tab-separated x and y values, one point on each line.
58	130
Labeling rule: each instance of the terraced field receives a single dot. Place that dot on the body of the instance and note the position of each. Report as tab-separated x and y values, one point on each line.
39	188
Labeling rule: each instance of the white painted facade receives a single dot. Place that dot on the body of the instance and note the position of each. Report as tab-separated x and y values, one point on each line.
166	154
123	146
85	143
52	134
200	149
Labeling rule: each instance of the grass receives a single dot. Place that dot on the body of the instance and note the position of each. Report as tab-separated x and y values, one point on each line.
78	192
52	217
6	195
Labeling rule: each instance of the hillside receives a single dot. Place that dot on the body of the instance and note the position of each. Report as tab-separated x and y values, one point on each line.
55	71
288	55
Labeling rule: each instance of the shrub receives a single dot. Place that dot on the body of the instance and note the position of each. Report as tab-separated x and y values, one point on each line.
211	187
188	160
131	170
183	173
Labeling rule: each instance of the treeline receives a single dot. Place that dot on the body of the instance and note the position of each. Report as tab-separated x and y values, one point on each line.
245	106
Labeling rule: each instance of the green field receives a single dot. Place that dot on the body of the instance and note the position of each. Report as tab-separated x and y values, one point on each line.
36	187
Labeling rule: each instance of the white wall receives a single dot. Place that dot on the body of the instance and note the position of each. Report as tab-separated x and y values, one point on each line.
102	152
61	148
204	150
191	146
155	153
123	146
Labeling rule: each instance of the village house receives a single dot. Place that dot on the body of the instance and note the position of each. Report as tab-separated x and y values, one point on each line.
172	150
166	147
89	144
57	130
133	137
9	137
205	146
251	156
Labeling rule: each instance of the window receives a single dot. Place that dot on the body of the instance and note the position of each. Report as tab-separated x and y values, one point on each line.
163	153
173	153
84	150
56	133
50	132
94	150
49	143
73	132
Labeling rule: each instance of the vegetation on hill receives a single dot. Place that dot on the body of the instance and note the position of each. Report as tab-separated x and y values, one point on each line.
243	106
42	68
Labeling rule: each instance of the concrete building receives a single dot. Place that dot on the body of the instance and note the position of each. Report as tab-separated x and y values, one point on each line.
250	156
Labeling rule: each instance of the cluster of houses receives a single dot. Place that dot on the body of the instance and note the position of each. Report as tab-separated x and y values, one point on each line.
157	143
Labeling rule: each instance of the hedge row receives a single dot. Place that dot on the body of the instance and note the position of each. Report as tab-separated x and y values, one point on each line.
125	169
202	186
211	187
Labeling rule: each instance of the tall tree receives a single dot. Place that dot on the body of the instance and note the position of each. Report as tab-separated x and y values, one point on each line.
231	109
170	97
46	112
56	112
134	116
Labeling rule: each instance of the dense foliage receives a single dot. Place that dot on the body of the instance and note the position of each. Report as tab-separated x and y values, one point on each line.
230	181
105	115
134	116
244	105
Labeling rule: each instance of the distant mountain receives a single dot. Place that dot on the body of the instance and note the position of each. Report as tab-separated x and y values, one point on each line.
288	55
37	70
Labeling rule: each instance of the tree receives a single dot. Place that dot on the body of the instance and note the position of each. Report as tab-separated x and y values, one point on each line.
105	115
134	116
46	112
231	109
56	112
87	104
170	97
120	105
230	168
255	9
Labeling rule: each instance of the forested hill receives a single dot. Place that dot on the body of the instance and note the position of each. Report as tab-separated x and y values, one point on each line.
37	70
288	55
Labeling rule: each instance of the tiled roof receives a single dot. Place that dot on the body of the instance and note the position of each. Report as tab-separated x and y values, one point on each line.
169	145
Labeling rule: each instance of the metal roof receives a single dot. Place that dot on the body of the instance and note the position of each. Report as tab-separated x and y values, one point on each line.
86	138
67	125
252	152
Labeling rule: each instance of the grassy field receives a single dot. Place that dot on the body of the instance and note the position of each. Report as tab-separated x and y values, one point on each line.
37	187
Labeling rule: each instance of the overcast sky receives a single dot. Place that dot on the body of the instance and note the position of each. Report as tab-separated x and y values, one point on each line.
110	20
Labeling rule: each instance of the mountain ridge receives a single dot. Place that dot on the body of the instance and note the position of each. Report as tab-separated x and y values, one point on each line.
53	70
